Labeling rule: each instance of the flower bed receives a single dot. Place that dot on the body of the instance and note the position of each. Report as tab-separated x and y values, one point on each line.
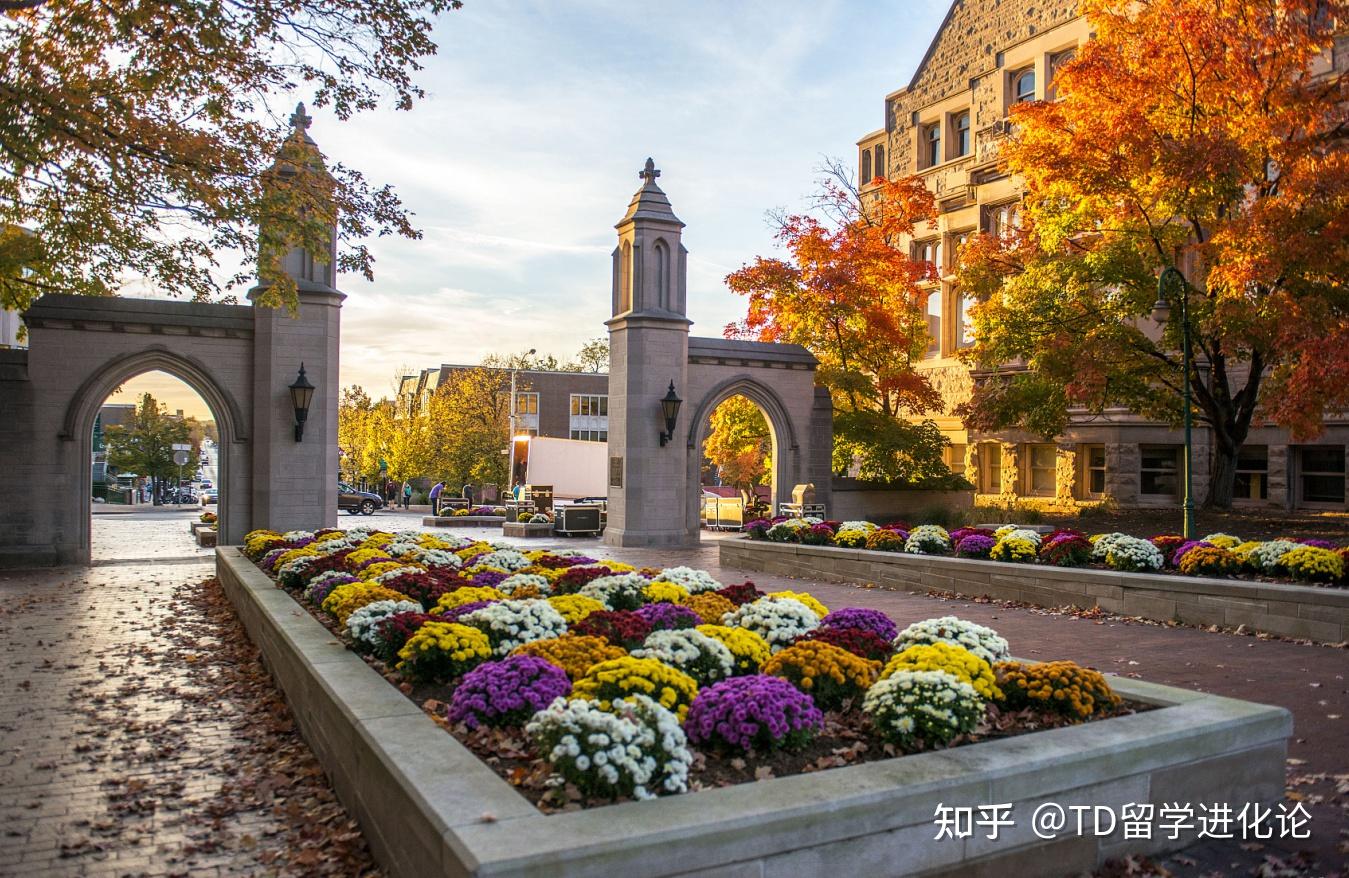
1313	562
604	684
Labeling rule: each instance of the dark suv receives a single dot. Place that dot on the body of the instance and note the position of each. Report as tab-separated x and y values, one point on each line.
357	502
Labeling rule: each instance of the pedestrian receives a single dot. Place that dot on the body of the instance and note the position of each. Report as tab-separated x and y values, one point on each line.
407	494
435	497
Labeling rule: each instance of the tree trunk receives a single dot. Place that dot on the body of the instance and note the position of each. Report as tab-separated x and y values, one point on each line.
1223	477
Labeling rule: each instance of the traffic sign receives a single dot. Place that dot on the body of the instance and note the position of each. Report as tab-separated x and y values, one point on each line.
180	457
181	446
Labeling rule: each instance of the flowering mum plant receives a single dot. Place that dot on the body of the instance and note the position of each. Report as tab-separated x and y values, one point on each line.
344	600
1123	552
910	708
668	616
636	749
622	592
978	639
1203	560
1267	557
533	583
703	658
322	585
693	581
575	654
928	539
855	640
1179	553
740	594
789	530
363	625
757	528
1062	687
1222	540
459	612
467	595
830	674
819	535
975	546
510	623
504	559
1014	550
392	632
809	600
850	539
440	651
779	621
862	619
616	679
961	532
954	660
424	586
665	592
572	581
748	649
1066	550
1167	544
575	607
709	606
508	692
753	713
620	627
1313	564
881	540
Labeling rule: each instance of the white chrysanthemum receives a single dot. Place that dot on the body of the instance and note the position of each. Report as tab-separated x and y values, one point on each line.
292	536
984	642
865	527
1268	554
692	581
624	590
777	620
398	571
704	658
928	539
1021	533
1124	552
509	624
363	624
508	559
515	581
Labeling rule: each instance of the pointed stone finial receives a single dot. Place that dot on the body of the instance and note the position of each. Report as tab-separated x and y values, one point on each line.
649	173
300	119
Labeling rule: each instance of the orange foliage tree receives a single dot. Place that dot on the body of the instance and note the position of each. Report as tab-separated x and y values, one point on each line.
1202	134
851	296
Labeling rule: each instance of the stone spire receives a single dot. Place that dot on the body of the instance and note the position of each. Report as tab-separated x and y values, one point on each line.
649	202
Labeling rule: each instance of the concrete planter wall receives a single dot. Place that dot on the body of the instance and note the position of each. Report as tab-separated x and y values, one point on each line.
430	808
1289	610
463	520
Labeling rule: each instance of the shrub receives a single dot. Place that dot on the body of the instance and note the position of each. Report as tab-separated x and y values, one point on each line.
975	546
508	692
954	660
1014	550
1062	687
575	654
779	621
618	678
636	750
575	607
885	541
983	642
709	606
748	649
659	592
857	641
667	617
928	539
862	619
622	628
344	600
363	624
510	623
1314	564
467	595
440	651
757	712
929	707
830	674
1066	550
1203	560
623	592
702	657
741	594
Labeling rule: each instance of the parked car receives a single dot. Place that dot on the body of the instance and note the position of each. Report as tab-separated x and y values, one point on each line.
357	502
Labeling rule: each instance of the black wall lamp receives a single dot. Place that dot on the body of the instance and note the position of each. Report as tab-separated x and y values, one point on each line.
669	407
301	395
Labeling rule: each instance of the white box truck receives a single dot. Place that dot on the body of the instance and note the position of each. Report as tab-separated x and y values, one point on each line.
574	468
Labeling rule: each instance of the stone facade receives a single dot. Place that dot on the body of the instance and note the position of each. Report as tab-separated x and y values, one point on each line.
961	91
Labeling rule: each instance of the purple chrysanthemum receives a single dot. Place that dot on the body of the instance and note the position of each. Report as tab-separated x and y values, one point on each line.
452	615
975	546
862	619
669	616
508	692
1318	544
489	578
755	712
1185	547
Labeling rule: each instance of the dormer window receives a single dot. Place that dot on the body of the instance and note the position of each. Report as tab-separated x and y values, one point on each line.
932	145
1023	85
960	131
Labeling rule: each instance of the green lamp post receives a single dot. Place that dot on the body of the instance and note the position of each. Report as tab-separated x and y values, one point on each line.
1161	310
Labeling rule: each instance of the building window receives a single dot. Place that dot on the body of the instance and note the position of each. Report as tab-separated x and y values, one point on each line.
1093	469
930	252
990	468
1040	474
960	132
1056	61
1321	474
958	242
954	456
880	160
1023	85
1252	473
934	324
590	417
932	145
526	414
866	166
1000	220
965	331
1159	470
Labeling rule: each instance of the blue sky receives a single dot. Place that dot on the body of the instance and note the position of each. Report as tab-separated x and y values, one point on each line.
526	151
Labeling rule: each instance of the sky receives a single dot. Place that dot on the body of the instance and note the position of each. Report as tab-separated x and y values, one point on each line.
526	150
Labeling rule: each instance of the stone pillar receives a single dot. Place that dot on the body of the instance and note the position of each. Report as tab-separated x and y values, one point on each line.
1011	471
648	350
1278	490
1065	475
1121	471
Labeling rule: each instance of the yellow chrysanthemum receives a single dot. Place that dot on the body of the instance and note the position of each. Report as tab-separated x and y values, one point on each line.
344	600
749	648
467	595
575	654
666	592
806	598
575	607
954	660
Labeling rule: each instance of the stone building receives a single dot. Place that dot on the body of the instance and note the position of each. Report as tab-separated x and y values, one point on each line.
557	405
945	125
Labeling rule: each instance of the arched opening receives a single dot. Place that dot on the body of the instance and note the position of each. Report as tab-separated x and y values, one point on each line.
662	258
625	279
155	466
736	475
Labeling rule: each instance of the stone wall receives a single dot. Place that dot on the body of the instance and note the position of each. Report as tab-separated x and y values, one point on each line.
1320	614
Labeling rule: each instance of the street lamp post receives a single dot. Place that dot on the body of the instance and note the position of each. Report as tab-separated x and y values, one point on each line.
1160	311
510	460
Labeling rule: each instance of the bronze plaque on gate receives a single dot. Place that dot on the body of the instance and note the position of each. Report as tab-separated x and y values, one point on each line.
615	472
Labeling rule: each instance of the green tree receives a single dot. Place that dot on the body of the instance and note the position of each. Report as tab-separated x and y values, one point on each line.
354	412
593	356
740	445
468	425
145	446
139	138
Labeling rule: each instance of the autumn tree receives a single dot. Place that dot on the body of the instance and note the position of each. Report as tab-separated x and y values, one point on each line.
1204	135
740	445
138	139
593	356
849	293
357	457
145	445
469	416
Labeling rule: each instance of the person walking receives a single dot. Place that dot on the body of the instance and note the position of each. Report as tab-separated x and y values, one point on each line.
407	494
